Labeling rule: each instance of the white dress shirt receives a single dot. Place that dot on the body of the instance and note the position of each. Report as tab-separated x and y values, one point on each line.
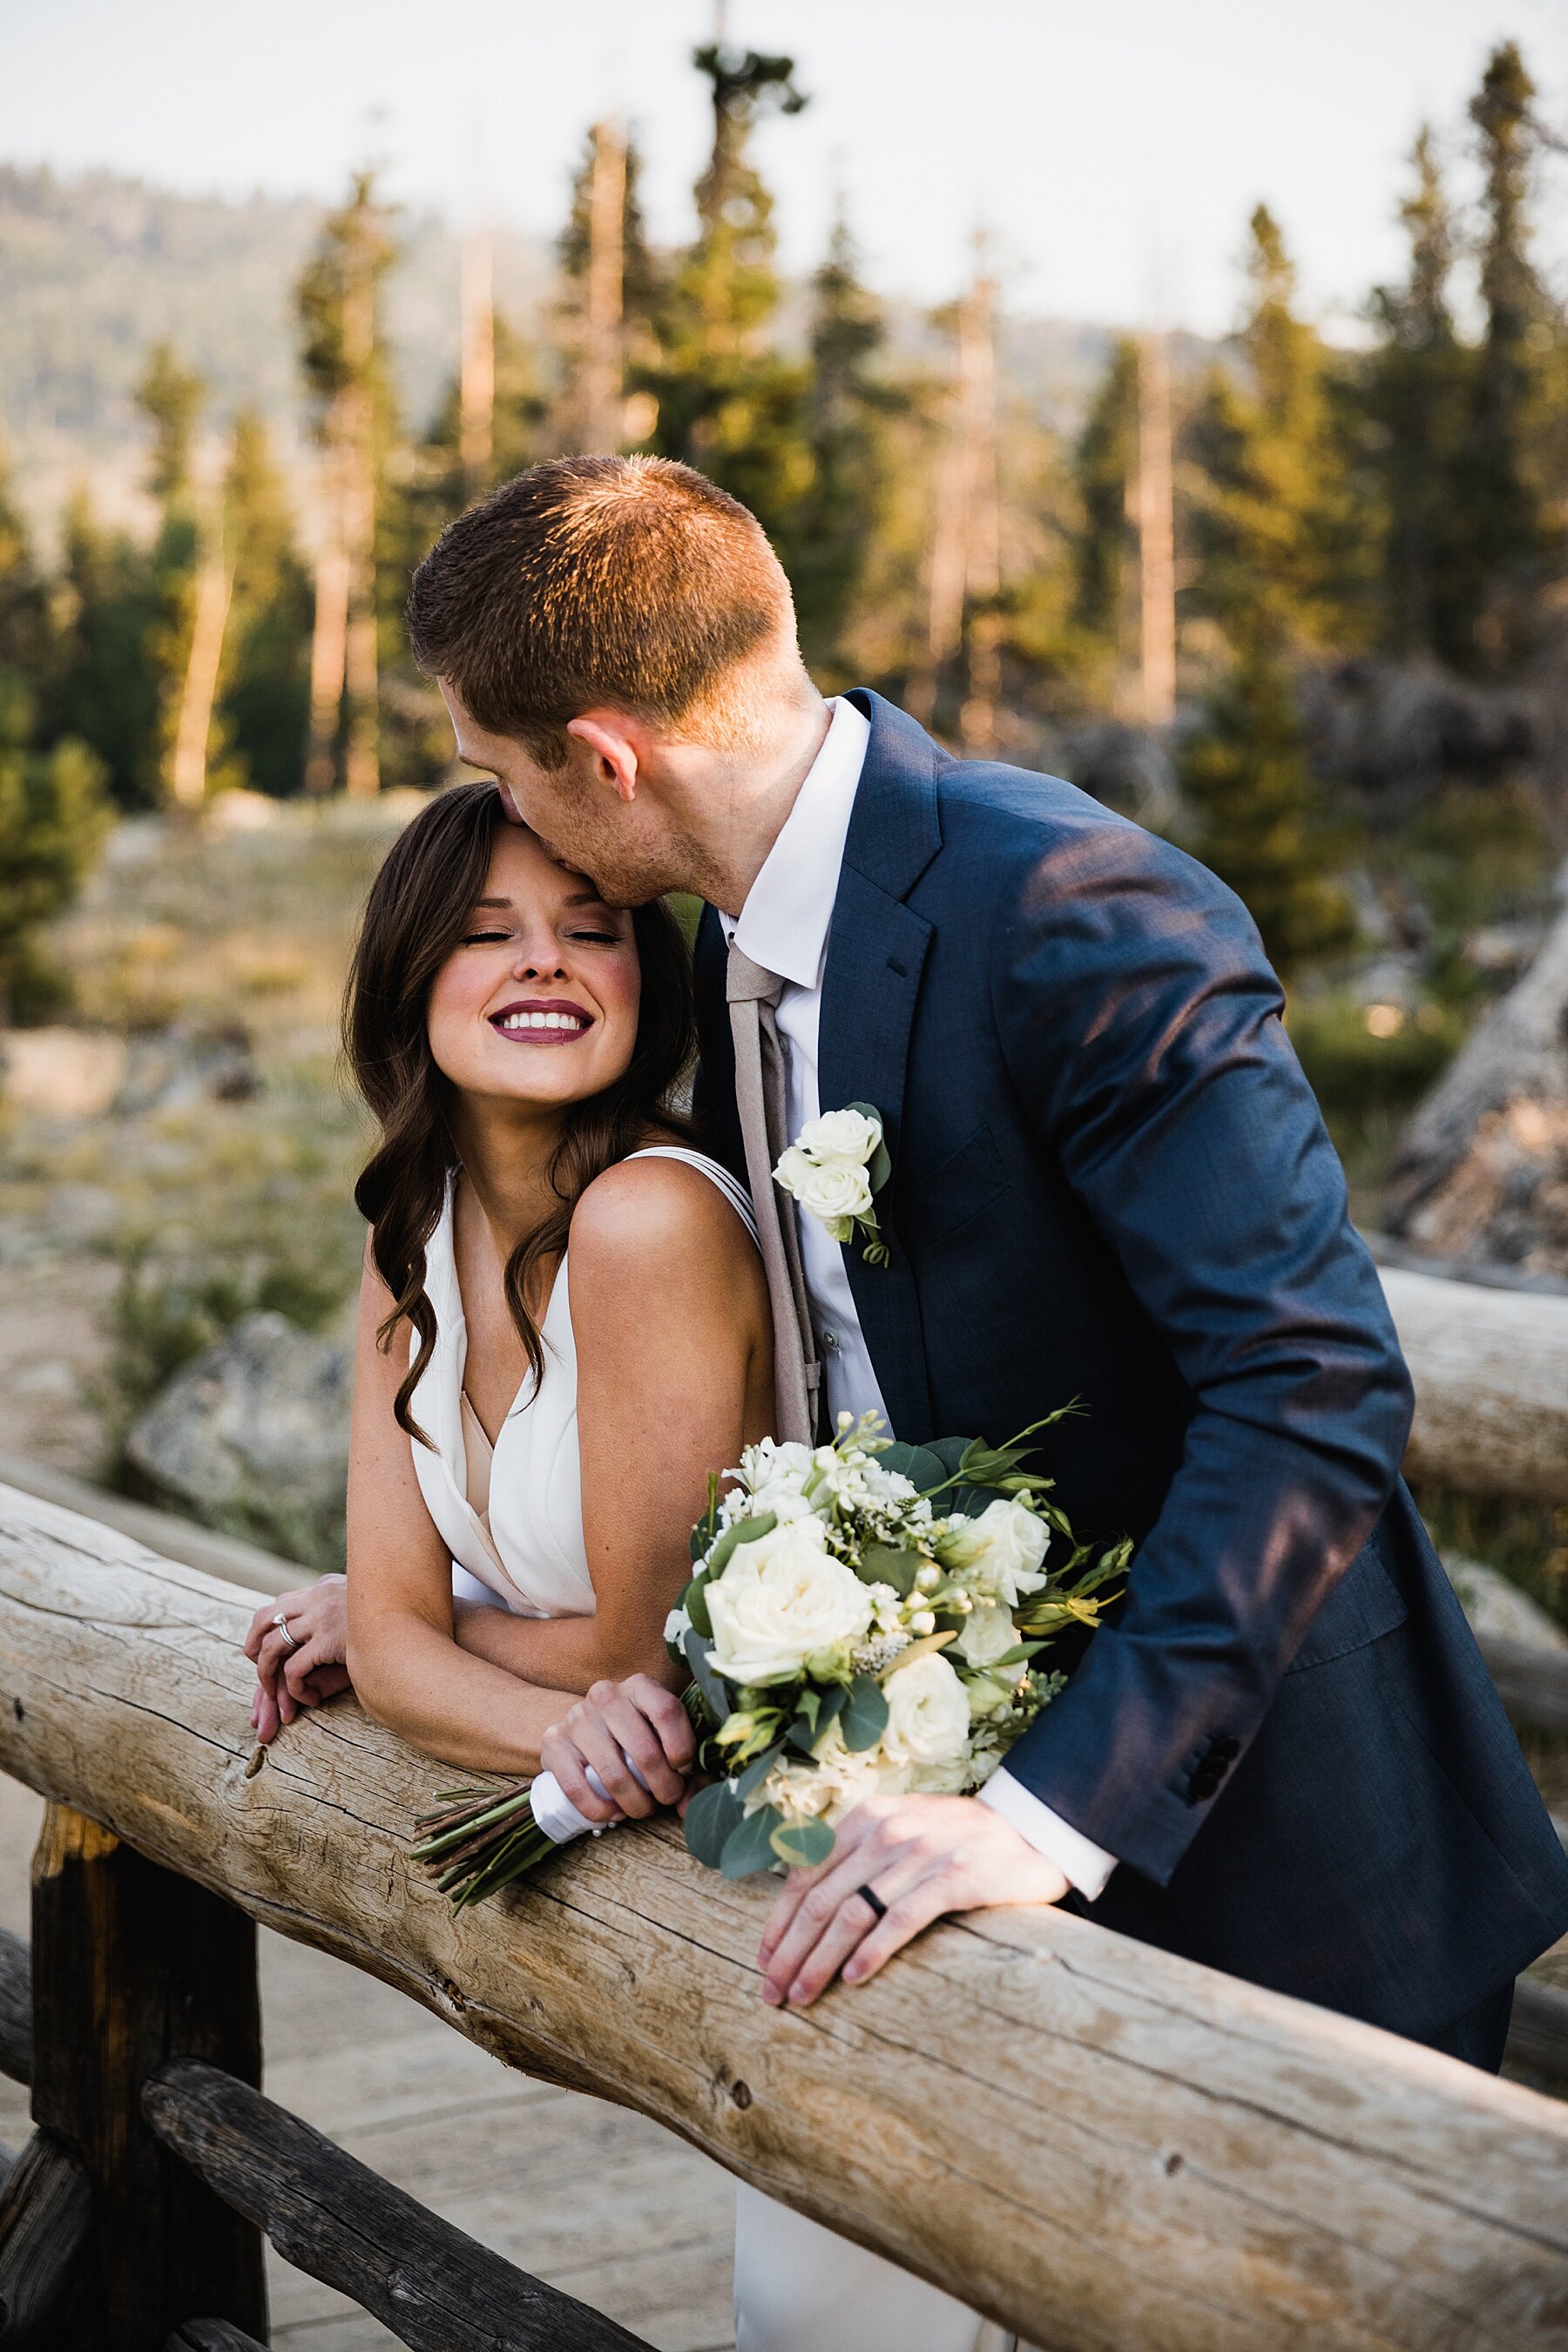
783	926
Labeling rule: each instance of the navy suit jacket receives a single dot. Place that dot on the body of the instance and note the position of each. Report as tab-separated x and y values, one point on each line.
1110	1181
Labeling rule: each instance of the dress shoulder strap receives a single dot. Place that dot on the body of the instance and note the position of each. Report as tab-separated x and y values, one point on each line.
740	1199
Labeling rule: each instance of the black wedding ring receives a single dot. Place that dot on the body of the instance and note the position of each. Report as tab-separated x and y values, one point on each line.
870	1894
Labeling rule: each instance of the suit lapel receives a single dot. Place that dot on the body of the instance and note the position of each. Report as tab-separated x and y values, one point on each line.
876	952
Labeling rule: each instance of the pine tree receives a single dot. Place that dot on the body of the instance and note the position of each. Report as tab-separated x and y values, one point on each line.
727	403
264	688
1274	526
345	364
1503	486
108	692
1418	387
53	808
1245	779
835	526
1104	462
170	397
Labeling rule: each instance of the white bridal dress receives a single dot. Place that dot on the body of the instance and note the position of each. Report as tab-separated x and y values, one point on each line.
512	1517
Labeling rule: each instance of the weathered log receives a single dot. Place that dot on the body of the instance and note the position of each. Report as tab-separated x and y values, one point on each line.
135	1965
1482	1169
45	2224
438	2290
1532	1683
211	2336
1490	1369
16	2008
1538	2029
1097	2143
229	1558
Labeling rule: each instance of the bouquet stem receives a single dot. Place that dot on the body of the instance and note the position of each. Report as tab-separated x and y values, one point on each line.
480	1843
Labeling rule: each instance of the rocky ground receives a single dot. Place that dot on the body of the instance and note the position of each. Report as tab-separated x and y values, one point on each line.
182	1150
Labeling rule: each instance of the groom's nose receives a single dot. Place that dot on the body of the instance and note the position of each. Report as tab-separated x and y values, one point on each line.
510	808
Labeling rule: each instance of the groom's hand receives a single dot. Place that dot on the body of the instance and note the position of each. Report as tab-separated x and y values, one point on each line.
921	1856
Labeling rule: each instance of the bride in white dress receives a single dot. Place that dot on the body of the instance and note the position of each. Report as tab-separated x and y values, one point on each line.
564	1327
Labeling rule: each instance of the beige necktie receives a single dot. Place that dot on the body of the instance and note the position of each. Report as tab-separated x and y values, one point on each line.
760	1097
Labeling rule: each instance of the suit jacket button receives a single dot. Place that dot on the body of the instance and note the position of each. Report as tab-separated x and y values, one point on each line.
1226	1750
1204	1784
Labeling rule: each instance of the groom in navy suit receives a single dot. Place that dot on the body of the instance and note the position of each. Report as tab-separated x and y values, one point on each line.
1282	1754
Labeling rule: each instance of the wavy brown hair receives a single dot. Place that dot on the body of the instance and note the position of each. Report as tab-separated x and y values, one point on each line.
419	909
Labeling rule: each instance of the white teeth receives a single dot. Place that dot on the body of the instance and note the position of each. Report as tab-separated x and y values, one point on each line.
515	1020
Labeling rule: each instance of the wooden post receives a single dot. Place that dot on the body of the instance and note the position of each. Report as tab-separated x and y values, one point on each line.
133	1966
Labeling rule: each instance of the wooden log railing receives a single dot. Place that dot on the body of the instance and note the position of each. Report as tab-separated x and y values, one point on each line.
1105	2147
1490	1369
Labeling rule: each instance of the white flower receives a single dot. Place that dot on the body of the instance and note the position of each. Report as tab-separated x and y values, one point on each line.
1001	1551
928	1713
838	1190
781	1602
762	1464
676	1626
841	1135
831	1784
987	1633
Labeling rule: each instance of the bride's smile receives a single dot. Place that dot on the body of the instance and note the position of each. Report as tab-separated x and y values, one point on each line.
541	965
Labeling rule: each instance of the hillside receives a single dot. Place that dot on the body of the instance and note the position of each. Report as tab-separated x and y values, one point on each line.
94	269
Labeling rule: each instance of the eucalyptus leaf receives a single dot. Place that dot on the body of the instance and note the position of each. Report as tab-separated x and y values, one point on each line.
748	1847
897	1457
714	1690
878	1169
888	1564
949	1452
743	1531
925	1469
757	1771
865	1717
694	1601
802	1844
711	1818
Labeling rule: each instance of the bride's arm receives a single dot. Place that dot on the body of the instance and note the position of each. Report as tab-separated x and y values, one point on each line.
674	1376
406	1669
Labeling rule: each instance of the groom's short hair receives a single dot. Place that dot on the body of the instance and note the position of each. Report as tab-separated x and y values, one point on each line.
631	583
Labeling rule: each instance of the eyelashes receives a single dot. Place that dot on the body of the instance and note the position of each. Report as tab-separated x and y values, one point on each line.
593	938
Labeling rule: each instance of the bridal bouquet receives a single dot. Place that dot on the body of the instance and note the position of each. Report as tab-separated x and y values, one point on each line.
863	1617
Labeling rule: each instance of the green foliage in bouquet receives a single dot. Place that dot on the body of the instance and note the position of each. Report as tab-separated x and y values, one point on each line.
800	1620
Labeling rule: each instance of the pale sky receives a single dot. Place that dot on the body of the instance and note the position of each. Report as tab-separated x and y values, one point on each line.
1113	150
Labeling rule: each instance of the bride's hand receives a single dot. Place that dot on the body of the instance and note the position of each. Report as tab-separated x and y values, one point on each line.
307	1668
636	1718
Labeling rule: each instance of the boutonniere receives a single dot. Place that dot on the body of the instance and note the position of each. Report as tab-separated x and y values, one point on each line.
835	1168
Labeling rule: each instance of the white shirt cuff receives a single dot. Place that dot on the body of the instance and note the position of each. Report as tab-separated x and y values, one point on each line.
1081	1863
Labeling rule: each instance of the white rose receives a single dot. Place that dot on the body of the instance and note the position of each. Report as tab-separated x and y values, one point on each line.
1006	1544
837	1192
846	1134
988	1634
780	1602
928	1714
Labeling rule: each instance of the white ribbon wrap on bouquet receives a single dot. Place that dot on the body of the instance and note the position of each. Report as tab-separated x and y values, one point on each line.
559	1818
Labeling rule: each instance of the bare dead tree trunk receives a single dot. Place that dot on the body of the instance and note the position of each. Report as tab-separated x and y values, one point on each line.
356	422
329	636
604	292
477	380
188	760
964	564
1156	533
1482	1168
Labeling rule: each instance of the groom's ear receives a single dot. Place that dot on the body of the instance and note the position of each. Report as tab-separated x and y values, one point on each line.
613	742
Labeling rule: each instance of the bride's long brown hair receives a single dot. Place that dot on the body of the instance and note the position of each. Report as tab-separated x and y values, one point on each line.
419	909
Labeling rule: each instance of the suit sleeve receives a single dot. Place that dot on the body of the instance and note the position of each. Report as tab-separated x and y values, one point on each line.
1141	1022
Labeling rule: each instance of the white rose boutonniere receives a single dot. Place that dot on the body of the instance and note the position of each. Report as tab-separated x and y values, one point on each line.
835	1168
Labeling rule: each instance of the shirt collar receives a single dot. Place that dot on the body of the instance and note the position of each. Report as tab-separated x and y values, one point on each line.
784	922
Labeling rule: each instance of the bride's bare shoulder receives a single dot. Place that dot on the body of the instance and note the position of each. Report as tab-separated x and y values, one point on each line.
650	1211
